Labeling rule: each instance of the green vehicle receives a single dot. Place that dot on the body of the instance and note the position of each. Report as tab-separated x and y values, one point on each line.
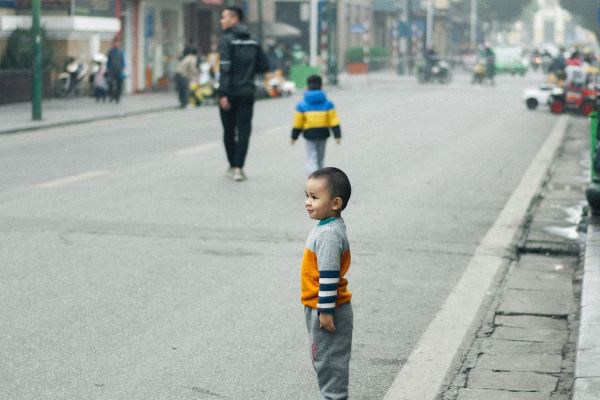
510	60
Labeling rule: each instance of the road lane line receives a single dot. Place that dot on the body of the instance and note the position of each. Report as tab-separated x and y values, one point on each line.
423	375
73	178
196	149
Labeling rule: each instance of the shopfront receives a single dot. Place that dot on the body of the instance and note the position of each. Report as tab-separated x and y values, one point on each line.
202	24
155	33
161	41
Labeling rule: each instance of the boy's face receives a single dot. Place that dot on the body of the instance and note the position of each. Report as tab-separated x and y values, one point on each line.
319	202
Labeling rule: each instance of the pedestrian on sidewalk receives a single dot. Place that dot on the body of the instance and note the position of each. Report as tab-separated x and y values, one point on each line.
115	66
99	81
315	117
187	71
241	58
324	290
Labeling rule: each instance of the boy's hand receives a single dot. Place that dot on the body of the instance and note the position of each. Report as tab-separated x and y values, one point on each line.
292	141
326	322
338	141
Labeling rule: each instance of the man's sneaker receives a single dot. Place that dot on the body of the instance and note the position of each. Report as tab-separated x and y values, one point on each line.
229	172
238	175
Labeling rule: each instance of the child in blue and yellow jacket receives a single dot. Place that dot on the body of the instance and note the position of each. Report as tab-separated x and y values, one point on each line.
315	117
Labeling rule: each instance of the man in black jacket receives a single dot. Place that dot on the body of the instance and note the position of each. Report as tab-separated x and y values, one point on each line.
241	59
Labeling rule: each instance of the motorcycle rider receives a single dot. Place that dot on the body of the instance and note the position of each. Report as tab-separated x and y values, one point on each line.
558	65
431	59
490	66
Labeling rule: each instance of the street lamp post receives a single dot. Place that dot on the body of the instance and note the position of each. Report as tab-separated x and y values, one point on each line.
430	16
473	24
332	68
314	32
259	4
36	109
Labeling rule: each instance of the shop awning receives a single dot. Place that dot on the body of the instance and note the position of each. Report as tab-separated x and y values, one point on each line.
276	30
389	6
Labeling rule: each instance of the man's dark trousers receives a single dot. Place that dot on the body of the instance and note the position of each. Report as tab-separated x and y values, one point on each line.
237	125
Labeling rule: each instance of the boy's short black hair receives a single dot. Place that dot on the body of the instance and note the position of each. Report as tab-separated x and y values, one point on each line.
237	11
314	82
338	183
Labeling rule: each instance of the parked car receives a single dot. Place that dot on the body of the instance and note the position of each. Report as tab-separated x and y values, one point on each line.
536	96
510	60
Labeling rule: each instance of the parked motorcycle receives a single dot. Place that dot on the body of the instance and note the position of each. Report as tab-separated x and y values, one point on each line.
204	90
438	71
70	79
577	91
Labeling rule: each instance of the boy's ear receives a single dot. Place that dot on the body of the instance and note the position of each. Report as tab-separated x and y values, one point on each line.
337	204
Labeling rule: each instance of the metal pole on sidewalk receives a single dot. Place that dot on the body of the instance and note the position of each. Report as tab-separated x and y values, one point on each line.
314	32
332	71
473	24
259	4
429	32
36	111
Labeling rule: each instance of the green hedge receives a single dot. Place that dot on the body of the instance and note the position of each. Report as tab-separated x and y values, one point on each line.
378	56
19	51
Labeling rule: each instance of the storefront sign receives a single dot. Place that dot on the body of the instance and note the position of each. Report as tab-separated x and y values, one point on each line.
94	8
47	5
8	3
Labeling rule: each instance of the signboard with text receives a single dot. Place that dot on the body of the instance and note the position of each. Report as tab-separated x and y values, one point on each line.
8	3
94	8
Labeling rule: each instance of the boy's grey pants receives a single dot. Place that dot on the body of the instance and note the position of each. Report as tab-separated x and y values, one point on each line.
315	153
330	352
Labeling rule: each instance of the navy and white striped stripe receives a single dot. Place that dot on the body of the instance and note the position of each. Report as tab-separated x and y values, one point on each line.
328	285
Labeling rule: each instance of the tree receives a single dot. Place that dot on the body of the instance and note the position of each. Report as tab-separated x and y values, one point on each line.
19	50
503	12
584	11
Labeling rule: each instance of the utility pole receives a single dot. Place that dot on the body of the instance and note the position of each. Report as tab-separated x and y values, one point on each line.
430	16
259	4
405	46
36	10
314	31
332	68
473	24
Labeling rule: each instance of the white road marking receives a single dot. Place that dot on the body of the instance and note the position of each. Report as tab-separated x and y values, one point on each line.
196	149
73	178
423	375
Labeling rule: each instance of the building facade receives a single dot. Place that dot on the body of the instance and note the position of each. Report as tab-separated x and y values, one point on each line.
78	28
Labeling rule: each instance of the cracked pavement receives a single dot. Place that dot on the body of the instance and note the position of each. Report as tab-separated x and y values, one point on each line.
525	347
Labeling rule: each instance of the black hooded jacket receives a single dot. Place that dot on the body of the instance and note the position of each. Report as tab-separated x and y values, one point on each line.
241	59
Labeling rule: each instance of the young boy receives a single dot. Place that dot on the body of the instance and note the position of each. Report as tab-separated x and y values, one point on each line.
325	294
315	116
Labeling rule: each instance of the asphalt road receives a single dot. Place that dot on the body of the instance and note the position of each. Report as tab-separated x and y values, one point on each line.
131	268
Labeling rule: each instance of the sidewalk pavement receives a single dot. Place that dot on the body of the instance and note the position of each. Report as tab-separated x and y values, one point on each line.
60	112
587	370
530	345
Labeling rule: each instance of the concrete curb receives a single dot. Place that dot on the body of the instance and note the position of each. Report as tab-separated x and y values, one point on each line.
56	124
425	373
587	367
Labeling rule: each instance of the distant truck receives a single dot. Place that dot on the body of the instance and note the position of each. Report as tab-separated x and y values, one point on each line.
510	60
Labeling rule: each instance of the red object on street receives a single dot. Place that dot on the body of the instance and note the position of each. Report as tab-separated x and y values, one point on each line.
557	107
